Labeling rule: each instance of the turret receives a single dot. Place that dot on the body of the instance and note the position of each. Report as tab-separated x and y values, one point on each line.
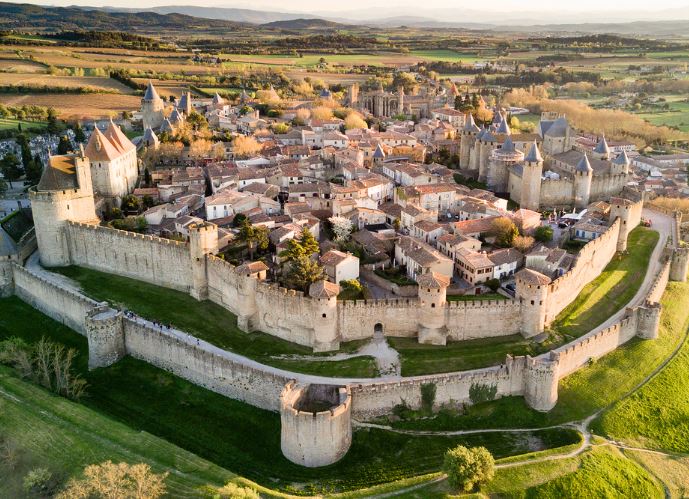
486	146
400	97
583	175
64	193
648	321
152	108
105	333
203	240
432	300
324	296
184	104
532	173
679	264
620	165
532	293
467	140
623	209
601	151
540	382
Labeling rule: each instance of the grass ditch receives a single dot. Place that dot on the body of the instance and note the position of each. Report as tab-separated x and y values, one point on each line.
212	323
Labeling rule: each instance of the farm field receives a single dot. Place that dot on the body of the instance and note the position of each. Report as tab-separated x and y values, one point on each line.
38	80
70	106
10	124
13	65
676	116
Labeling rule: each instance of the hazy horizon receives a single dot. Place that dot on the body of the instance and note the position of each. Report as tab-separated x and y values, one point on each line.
498	12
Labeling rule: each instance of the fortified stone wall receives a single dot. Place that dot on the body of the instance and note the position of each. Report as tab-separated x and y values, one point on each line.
204	365
147	258
591	261
358	319
58	302
604	186
555	193
468	320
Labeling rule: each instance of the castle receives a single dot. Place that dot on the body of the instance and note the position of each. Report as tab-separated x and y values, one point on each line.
542	170
383	104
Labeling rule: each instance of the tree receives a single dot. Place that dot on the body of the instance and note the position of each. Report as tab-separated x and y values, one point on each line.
504	231
197	121
544	233
64	146
493	284
523	243
200	148
305	246
239	220
9	166
468	468
342	227
233	491
130	203
245	147
121	480
303	271
3	187
34	170
25	148
79	134
321	113
354	120
404	80
255	236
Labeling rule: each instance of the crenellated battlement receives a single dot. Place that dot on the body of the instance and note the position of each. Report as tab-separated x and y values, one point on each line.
128	235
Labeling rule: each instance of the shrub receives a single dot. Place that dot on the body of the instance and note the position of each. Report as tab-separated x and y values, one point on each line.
544	234
233	491
37	481
493	284
120	480
428	396
468	468
482	393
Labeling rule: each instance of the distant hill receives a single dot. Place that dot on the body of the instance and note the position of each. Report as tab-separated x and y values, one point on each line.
305	24
221	13
35	16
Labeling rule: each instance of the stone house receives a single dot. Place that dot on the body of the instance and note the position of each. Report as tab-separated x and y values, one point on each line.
340	266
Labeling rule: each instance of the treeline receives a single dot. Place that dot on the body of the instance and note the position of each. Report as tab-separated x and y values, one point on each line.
604	42
123	77
115	39
50	89
293	45
524	79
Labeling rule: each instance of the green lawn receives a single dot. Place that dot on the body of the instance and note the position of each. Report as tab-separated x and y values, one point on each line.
210	322
585	391
215	428
612	290
656	416
601	472
420	359
445	55
12	124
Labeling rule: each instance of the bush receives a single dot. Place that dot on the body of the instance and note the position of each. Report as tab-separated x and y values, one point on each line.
233	491
482	393
37	481
468	468
493	284
428	396
544	234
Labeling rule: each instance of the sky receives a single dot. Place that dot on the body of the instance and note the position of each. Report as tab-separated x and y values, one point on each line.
323	6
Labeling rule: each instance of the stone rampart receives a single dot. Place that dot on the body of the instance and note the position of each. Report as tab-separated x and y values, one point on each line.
152	259
590	262
204	364
59	302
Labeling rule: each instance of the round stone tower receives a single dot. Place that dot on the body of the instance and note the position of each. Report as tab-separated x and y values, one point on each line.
432	301
583	175
105	334
679	264
532	293
620	165
203	240
64	193
497	174
487	145
316	423
531	179
622	209
324	296
540	383
467	140
648	318
152	108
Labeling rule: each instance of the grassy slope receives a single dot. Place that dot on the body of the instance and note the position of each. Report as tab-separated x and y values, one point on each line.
599	300
601	472
610	291
216	428
656	416
587	390
65	437
210	322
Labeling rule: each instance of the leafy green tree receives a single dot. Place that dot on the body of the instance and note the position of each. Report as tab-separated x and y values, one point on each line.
303	271
544	234
64	146
467	469
304	246
131	203
504	231
79	134
34	170
23	142
239	220
255	236
197	121
10	167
